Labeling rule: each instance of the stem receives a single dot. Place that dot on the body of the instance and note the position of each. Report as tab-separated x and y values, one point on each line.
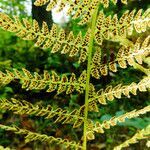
88	77
141	68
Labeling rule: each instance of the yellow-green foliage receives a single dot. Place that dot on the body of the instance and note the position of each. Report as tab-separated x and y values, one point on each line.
53	81
87	48
143	134
2	148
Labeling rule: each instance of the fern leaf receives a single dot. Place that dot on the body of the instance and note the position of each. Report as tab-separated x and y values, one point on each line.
121	62
99	28
93	107
114	24
79	121
142	134
56	38
82	80
107	23
112	66
90	10
110	93
53	81
96	60
40	2
141	22
26	108
77	42
113	28
85	43
70	42
71	87
31	136
125	56
62	87
83	8
4	79
90	134
101	99
99	127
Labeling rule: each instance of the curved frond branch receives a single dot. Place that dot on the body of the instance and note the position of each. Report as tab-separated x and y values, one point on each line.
99	127
117	29
55	39
53	81
31	136
23	107
122	118
140	135
111	93
141	68
81	8
126	55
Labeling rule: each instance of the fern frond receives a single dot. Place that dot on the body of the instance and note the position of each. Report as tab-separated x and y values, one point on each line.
99	127
56	38
53	81
141	21
111	93
31	136
140	135
96	61
23	107
90	10
75	117
84	8
115	29
126	55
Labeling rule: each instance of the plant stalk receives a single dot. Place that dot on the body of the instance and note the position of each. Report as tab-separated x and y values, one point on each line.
94	17
141	68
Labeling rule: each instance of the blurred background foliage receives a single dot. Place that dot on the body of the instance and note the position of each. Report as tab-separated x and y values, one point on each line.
17	53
